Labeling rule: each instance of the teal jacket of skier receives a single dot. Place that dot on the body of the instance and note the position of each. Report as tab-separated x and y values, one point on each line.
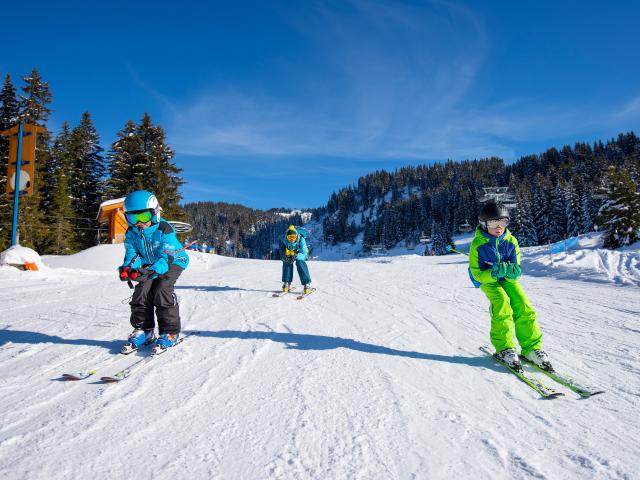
487	250
294	248
156	246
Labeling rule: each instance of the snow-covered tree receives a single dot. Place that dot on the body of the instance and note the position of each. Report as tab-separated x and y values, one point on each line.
86	183
574	210
62	215
620	213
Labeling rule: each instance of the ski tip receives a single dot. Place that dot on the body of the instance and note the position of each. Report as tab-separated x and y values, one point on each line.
110	379
590	394
70	377
552	395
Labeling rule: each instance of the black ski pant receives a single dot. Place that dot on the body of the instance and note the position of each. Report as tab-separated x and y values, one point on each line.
157	293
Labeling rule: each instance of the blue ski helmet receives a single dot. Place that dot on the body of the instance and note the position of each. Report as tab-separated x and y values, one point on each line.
140	200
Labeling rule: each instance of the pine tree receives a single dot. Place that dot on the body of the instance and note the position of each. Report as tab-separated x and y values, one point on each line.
8	118
166	181
140	159
522	224
540	209
574	210
557	226
587	207
62	215
87	174
124	174
620	213
438	239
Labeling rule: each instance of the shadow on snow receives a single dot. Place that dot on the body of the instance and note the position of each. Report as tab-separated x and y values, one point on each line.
22	336
299	341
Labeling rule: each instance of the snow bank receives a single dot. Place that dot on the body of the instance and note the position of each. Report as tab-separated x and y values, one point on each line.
108	258
18	256
100	257
587	262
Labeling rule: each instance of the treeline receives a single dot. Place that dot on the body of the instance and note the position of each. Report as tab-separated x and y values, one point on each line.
74	175
558	193
238	231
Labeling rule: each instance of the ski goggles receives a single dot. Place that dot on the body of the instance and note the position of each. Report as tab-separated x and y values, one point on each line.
497	223
140	216
292	238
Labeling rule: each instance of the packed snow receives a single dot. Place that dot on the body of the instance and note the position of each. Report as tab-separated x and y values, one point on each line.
377	375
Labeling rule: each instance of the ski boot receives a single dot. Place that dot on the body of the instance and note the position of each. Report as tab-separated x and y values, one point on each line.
286	287
540	358
138	338
165	341
307	289
510	357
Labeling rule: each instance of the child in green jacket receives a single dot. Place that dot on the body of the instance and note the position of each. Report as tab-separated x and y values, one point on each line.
494	267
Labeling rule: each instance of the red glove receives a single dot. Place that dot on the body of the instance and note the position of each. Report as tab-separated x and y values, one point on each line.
142	274
124	273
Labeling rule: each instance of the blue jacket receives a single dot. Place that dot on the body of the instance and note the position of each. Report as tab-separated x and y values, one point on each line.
155	246
487	250
299	247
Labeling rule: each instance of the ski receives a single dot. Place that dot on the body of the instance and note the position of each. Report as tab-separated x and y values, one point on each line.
137	366
83	375
281	294
539	387
300	297
564	380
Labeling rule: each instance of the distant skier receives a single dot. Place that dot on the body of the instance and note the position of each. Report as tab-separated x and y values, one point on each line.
155	259
294	249
494	266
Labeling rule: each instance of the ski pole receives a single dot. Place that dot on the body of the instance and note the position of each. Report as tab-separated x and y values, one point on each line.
173	252
451	249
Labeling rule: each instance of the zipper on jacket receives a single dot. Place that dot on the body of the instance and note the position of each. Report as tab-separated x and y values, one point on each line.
147	247
497	248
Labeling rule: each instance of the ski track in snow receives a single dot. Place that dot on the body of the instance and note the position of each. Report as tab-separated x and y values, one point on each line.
377	375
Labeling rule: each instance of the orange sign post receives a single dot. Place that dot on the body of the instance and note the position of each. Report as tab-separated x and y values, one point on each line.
28	160
21	168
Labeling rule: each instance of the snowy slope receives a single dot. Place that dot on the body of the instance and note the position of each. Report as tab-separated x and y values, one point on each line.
375	376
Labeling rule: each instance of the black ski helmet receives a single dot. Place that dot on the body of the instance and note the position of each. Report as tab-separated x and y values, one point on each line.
492	211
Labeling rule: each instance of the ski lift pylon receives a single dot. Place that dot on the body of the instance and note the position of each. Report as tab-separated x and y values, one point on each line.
465	227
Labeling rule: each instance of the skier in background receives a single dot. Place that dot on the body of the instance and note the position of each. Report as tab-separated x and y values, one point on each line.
294	249
494	267
154	258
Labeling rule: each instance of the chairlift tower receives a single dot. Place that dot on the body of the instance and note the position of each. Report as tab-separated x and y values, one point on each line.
499	195
377	249
465	227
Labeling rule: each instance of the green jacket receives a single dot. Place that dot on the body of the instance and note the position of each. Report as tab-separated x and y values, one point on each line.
486	250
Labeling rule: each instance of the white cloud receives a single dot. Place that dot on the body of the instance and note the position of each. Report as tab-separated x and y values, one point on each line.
387	80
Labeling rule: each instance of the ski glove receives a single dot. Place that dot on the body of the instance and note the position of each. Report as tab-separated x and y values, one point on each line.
142	275
301	256
513	271
499	270
124	273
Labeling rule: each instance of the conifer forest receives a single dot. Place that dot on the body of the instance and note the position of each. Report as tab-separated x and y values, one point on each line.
556	194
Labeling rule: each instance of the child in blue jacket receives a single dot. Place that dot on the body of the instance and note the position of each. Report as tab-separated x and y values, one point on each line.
154	258
294	249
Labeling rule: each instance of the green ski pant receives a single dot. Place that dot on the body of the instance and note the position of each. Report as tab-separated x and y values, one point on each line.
511	310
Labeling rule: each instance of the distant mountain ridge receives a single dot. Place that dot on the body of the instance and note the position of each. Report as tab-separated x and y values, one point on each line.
557	194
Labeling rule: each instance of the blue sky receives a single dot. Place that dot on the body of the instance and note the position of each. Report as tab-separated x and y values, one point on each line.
280	103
